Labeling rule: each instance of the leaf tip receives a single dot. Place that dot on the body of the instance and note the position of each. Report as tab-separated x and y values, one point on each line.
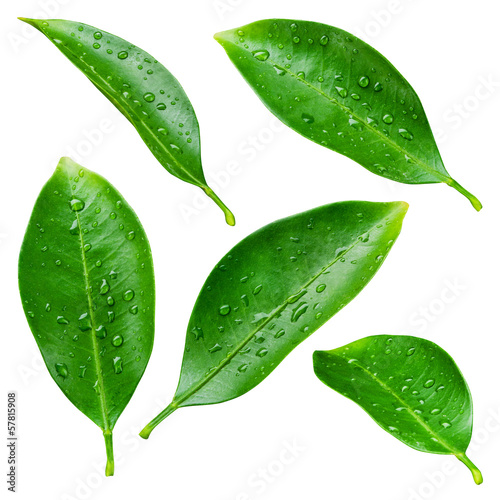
32	22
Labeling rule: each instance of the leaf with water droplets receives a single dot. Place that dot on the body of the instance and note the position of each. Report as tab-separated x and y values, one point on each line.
410	386
274	289
339	92
79	311
143	90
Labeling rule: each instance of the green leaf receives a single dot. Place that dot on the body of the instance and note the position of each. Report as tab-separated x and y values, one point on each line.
336	90
87	287
411	387
273	290
143	90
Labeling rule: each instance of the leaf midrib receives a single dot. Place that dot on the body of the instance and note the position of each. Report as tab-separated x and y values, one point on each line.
112	93
249	337
408	408
95	348
384	138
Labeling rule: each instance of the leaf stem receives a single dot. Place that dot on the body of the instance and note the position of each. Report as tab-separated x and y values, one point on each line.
228	214
110	463
474	201
159	418
476	473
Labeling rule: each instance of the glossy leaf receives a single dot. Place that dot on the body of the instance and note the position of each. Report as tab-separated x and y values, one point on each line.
273	290
87	287
336	90
409	386
143	90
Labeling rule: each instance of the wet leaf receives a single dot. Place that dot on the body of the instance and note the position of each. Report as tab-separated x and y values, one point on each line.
336	90
411	387
143	90
87	288
273	290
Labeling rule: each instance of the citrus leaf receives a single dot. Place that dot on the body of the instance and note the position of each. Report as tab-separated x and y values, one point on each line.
338	91
143	90
410	386
87	287
273	290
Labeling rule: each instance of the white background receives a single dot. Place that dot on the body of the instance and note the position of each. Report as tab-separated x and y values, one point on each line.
447	50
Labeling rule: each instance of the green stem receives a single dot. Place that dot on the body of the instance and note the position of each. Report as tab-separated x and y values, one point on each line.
159	418
228	214
110	463
474	201
476	473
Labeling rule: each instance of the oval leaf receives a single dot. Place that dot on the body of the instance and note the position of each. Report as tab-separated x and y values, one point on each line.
273	290
87	287
336	90
143	90
409	386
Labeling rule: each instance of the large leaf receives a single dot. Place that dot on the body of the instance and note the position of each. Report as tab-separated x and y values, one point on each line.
409	386
336	90
143	90
273	290
87	286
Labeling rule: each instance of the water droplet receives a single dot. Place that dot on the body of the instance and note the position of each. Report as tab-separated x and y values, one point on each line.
259	338
262	352
298	311
133	310
293	298
257	290
445	424
378	87
436	411
113	275
320	288
342	91
244	299
117	340
96	45
388	119
118	365
261	55
224	310
215	348
324	40
410	351
62	370
131	235
355	124
149	97
243	368
123	54
405	134
197	332
364	81
84	322
111	316
82	371
429	383
128	295
296	39
101	332
76	205
307	118
62	320
96	387
104	287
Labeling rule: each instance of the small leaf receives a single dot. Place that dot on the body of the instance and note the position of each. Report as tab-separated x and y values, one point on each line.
411	387
87	287
143	90
273	290
339	92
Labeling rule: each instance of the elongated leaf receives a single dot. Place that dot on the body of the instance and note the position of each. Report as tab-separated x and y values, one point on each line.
409	386
273	290
143	90
87	287
336	90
